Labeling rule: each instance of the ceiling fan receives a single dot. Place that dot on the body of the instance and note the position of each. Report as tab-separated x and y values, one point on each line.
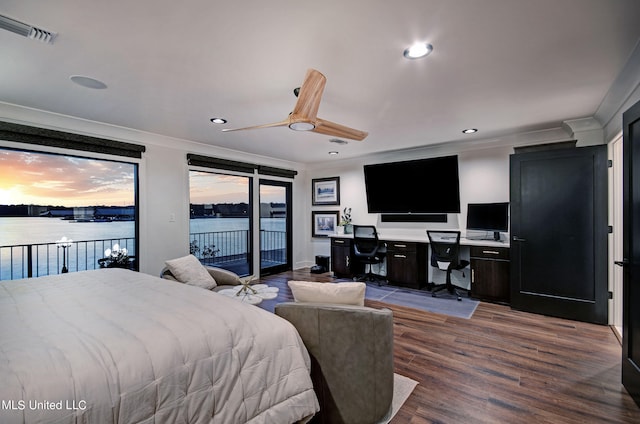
304	116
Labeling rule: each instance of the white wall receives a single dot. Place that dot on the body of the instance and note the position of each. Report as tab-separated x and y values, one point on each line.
164	208
483	173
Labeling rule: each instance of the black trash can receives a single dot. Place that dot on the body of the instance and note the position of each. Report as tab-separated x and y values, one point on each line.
322	265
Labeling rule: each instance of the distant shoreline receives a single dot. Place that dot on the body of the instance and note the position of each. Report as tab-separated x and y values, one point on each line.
127	213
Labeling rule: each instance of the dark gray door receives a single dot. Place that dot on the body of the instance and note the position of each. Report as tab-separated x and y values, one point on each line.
559	233
631	252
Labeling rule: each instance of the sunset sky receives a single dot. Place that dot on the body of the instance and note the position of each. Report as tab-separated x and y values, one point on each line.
57	180
208	187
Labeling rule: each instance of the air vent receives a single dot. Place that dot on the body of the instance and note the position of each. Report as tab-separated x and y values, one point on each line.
338	141
26	30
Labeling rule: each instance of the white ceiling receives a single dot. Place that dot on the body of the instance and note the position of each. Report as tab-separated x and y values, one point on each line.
502	66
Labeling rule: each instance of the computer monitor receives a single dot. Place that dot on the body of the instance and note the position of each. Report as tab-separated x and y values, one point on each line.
488	217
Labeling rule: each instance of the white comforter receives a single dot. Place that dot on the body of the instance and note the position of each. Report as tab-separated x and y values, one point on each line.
116	346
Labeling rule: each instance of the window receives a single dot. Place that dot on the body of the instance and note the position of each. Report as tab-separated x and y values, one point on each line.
45	197
220	220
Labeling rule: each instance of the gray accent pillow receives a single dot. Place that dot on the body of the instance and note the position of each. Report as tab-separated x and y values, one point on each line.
189	270
225	277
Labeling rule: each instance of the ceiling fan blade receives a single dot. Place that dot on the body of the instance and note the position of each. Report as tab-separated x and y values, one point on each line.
337	130
310	95
255	127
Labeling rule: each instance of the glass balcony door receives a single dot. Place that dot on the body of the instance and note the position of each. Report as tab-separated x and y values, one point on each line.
275	226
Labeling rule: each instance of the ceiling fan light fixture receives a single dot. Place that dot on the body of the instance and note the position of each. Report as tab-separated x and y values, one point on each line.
304	116
418	50
218	120
301	126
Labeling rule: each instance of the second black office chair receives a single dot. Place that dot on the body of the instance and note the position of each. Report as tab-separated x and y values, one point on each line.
367	249
445	255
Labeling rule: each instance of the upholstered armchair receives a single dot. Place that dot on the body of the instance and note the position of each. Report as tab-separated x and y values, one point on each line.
351	349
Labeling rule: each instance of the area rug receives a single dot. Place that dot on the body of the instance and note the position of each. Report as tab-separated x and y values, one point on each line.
445	303
402	389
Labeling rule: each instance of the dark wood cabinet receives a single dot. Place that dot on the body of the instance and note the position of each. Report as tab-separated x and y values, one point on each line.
490	273
406	264
341	257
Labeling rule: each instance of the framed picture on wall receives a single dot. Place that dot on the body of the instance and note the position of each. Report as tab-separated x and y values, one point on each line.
326	191
324	223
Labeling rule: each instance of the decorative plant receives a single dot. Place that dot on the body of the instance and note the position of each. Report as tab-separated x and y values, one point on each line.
346	217
194	249
207	252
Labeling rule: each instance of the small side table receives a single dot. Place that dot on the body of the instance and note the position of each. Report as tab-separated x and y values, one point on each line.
251	293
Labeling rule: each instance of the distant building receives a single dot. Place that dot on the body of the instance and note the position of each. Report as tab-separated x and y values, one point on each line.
273	210
114	213
221	210
66	213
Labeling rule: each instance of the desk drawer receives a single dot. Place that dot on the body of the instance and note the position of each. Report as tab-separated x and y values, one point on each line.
406	264
341	242
401	246
485	252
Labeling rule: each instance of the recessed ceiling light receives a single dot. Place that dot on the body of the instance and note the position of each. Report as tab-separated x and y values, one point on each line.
218	120
333	152
418	50
470	131
88	82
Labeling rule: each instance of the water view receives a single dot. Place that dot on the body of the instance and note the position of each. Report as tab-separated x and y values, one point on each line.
225	238
34	230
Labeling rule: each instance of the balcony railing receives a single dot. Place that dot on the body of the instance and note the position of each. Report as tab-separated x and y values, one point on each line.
222	248
35	260
230	247
273	247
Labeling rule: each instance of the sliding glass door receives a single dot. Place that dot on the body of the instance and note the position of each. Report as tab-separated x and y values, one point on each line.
275	226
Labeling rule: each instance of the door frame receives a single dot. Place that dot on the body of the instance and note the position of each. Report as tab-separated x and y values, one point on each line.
615	242
288	185
630	262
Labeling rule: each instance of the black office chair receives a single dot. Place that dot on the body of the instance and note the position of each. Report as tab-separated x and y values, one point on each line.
368	250
445	255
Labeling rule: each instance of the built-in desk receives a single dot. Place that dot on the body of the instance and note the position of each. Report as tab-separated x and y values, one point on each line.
407	262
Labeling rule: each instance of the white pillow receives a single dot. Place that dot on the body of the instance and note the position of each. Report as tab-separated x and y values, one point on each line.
339	293
189	270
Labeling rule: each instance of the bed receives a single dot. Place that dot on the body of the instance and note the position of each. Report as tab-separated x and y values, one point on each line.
117	346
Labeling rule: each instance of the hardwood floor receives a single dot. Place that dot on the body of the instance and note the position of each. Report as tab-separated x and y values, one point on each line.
501	366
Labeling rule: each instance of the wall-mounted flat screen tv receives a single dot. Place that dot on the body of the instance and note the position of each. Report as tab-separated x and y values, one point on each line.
417	186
